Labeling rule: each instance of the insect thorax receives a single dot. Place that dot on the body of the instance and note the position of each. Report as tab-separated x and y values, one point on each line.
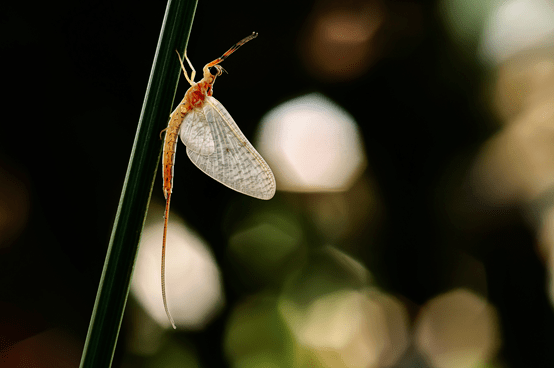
196	94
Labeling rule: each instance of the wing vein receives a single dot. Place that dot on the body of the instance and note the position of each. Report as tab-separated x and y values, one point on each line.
230	158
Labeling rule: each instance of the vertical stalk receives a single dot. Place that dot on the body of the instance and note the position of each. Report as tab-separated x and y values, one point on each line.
115	281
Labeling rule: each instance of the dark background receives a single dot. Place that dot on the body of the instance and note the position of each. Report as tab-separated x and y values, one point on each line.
74	77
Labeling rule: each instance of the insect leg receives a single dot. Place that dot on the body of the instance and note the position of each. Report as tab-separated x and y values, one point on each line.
162	132
191	82
193	73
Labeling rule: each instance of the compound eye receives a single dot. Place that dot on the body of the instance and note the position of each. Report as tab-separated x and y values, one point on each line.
213	71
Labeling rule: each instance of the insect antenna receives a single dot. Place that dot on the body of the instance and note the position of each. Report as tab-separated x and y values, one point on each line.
234	48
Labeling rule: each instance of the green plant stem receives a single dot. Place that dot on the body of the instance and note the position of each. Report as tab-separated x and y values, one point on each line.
137	188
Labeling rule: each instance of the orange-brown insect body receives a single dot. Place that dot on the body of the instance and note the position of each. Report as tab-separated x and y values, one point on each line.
194	98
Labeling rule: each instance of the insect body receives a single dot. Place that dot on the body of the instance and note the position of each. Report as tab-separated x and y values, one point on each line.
214	144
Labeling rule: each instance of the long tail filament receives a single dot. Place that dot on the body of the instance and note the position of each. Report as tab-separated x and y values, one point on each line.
166	216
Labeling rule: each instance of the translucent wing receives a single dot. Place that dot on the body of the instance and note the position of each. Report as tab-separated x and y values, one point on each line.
196	133
233	161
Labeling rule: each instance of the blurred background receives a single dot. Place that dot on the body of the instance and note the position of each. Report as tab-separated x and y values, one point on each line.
413	147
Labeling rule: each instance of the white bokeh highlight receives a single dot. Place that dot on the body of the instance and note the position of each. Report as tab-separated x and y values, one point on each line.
350	328
458	329
515	26
312	145
193	281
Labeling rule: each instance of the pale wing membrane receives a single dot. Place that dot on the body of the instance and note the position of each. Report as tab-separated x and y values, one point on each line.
234	162
196	133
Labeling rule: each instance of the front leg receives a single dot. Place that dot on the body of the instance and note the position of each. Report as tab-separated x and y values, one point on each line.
193	73
190	80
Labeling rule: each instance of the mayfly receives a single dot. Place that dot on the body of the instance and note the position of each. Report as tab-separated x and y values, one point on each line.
214	144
